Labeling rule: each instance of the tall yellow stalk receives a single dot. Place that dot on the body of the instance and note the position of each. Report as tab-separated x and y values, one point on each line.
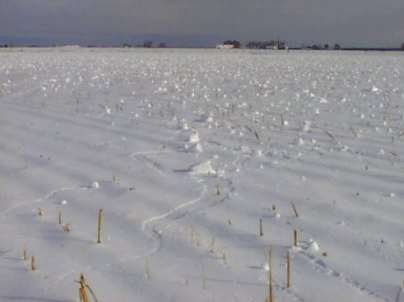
100	222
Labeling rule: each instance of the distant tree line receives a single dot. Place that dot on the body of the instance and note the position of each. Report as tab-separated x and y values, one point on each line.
146	44
278	44
323	47
272	44
266	44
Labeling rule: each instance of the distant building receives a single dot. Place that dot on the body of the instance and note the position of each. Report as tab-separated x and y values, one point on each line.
274	46
225	46
229	44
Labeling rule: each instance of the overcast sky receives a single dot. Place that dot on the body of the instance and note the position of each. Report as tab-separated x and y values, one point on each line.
349	22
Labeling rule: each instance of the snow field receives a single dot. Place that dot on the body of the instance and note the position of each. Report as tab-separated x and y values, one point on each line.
185	150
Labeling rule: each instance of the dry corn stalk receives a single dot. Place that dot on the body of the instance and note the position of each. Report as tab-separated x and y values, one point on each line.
25	253
270	288
100	222
295	210
33	264
288	270
83	290
261	228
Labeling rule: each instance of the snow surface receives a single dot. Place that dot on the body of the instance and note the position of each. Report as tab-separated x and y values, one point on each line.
185	150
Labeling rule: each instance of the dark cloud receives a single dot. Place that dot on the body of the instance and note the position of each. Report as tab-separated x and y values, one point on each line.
359	22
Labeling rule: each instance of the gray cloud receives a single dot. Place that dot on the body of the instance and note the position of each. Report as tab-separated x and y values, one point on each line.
358	22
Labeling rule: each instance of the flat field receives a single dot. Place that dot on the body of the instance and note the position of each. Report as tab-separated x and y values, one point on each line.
186	151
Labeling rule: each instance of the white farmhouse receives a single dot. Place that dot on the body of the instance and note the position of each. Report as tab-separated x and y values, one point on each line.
225	46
